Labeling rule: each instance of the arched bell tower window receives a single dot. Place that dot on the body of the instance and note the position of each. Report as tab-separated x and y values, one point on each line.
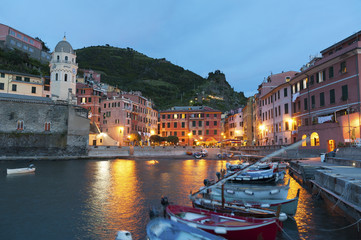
56	77
66	77
66	58
57	58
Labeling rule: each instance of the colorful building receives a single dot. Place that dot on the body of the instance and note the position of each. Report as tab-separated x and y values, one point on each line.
23	84
326	97
11	38
191	124
274	110
128	113
233	127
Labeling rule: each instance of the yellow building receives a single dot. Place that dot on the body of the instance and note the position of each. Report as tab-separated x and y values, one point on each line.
21	83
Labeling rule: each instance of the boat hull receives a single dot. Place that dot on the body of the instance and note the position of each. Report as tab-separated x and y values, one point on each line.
261	192
20	171
224	225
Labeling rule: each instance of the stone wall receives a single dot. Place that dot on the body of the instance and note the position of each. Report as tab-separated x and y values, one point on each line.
68	135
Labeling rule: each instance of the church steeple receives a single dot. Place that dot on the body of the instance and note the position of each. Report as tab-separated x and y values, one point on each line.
63	70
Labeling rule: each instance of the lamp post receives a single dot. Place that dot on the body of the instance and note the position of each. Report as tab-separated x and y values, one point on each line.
189	136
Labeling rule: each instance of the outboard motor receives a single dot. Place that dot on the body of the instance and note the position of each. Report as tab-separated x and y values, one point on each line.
206	182
165	203
218	174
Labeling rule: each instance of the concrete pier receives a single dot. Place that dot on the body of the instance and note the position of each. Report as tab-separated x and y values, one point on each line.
339	185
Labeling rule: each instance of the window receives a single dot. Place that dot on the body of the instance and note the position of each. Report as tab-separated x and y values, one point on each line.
66	77
315	140
47	126
286	126
215	123
2	75
58	58
163	125
168	116
344	93
56	77
66	58
215	132
31	49
332	96
13	87
193	123
199	132
285	92
199	123
305	103
20	125
33	89
183	124
163	116
304	142
26	79
175	125
2	86
183	133
168	125
194	132
343	67
215	115
330	72
322	99
18	78
207	132
313	101
312	80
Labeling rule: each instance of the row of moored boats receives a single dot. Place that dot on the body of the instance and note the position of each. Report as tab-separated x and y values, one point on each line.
248	201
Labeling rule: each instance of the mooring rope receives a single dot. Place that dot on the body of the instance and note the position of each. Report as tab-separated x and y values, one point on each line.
288	236
337	229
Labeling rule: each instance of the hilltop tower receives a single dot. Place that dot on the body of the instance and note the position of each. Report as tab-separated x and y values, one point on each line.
63	70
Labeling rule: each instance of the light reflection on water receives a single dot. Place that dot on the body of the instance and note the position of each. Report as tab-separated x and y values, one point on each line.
95	199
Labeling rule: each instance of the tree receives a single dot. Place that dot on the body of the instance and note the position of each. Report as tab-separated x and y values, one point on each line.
135	137
155	139
172	139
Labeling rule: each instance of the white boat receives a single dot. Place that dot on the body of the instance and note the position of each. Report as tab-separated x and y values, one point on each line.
29	169
237	192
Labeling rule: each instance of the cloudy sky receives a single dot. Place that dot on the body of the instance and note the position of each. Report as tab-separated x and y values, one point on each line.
246	40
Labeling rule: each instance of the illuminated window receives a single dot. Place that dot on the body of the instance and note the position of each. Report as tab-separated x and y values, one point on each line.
304	143
175	116
315	140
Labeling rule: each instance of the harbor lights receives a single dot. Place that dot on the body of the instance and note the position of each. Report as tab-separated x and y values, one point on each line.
121	131
189	136
262	128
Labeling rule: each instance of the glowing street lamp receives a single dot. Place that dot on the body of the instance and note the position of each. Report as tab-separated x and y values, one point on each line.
152	132
189	136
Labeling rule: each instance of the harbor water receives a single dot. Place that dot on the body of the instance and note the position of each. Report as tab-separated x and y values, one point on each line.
93	199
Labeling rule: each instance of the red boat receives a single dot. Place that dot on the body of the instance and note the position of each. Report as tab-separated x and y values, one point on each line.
224	225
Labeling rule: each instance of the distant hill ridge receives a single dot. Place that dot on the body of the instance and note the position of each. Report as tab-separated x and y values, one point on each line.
158	79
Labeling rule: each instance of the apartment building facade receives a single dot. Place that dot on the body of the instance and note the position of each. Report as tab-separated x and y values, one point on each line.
191	124
11	38
121	116
326	97
23	84
274	110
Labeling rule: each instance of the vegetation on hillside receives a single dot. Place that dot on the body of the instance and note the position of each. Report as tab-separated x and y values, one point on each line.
18	61
158	79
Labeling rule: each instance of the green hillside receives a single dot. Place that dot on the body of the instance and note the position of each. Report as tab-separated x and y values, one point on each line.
158	79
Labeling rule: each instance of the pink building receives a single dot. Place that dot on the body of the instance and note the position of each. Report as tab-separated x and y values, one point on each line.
274	110
11	38
126	114
326	97
89	97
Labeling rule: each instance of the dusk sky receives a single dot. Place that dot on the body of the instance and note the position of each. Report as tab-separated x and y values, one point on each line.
246	40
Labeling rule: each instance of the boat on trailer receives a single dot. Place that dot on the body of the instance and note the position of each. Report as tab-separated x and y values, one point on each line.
29	169
224	225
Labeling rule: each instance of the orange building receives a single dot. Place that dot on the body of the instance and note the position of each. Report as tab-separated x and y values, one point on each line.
193	125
